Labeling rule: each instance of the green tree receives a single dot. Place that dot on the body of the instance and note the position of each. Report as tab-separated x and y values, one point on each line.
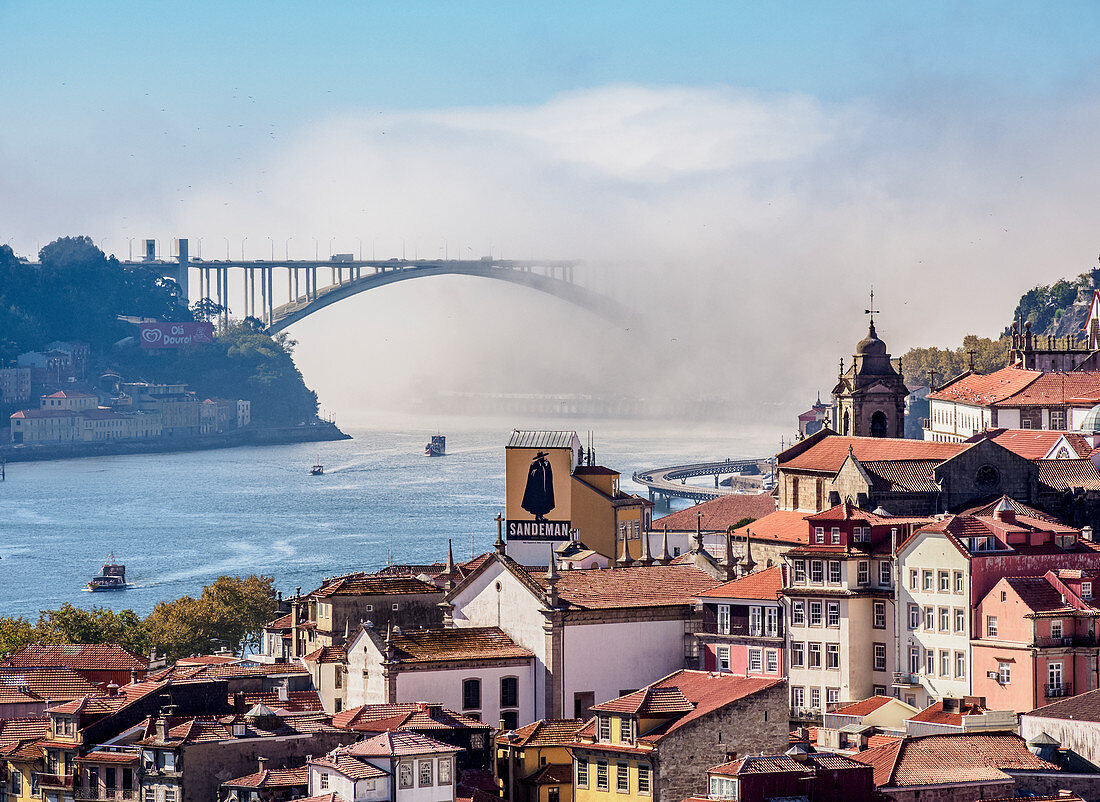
71	624
919	363
15	633
205	309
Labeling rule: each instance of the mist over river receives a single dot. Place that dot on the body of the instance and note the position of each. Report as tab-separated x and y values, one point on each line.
178	521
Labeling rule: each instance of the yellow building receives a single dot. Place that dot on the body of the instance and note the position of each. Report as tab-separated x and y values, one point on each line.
556	494
21	757
534	763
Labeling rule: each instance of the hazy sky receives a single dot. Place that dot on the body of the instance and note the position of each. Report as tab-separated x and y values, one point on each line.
739	173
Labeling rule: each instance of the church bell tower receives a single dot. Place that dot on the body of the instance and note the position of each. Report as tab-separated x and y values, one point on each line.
869	398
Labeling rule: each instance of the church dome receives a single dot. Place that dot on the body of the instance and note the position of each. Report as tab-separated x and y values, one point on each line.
1091	421
871	345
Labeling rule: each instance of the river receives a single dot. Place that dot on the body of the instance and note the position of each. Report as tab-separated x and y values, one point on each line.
178	521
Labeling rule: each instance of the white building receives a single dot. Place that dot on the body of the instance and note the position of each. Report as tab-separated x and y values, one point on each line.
594	633
396	766
479	671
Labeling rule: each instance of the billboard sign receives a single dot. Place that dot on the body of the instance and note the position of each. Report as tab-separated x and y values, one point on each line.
173	335
538	493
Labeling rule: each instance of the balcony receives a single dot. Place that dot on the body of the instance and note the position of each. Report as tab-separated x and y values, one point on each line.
109	794
1065	642
905	680
1058	691
54	781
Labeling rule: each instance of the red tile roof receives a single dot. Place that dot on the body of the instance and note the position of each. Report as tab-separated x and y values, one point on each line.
88	657
461	643
786	526
990	388
271	778
830	452
361	584
331	796
956	758
864	707
327	654
398	744
102	703
1079	387
177	672
545	732
351	767
1033	443
404	716
763	585
632	586
703	692
551	774
718	514
296	701
935	714
1082	707
1063	474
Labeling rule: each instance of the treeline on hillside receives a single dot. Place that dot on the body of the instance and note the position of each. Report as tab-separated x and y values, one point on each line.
76	292
1044	305
229	613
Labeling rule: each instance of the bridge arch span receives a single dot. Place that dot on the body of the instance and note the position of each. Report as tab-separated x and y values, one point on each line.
594	302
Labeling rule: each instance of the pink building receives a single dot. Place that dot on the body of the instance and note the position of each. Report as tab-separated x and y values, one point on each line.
1036	639
743	626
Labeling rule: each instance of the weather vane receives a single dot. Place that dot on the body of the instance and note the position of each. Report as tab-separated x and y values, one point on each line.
871	311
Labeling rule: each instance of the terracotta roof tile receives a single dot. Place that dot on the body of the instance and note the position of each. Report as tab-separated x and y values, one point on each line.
296	701
551	774
404	715
903	476
864	707
1033	443
461	643
103	756
327	654
1082	707
632	586
830	452
339	760
1062	474
398	744
786	526
718	514
545	732
936	759
987	509
763	585
990	388
94	657
935	714
331	796
271	778
362	584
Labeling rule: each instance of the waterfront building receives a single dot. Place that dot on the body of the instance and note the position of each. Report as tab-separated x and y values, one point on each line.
69	400
555	493
397	766
947	567
15	385
30	426
839	601
656	742
571	620
1010	398
534	763
477	670
1043	646
178	407
742	629
869	397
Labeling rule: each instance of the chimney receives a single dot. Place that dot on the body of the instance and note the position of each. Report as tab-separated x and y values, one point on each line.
162	728
263	763
1005	512
133	676
1086	533
112	689
238	702
284	694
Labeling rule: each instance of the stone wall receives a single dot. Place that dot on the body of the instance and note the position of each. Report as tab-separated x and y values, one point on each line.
951	793
757	724
1049	783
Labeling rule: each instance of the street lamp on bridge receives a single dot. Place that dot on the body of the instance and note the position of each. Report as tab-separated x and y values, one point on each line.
243	241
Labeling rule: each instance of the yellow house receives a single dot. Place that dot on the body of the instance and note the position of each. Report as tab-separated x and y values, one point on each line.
534	763
22	758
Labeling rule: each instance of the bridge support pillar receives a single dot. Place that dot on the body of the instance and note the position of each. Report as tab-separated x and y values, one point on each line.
263	295
270	295
313	296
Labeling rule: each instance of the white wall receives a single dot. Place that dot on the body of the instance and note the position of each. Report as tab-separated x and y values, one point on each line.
609	658
362	689
445	687
514	609
532	552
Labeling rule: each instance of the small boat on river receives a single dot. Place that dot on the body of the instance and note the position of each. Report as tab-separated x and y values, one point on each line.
436	447
317	470
112	577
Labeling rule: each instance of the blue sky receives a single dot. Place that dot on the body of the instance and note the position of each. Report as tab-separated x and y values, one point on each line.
766	152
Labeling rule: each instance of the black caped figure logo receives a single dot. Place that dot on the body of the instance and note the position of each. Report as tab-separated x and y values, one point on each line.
538	496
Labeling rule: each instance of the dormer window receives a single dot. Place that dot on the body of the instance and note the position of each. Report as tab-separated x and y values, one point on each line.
605	728
1086	590
819	534
626	735
836	536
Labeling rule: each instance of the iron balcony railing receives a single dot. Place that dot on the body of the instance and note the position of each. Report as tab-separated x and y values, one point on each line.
1058	691
1067	640
96	792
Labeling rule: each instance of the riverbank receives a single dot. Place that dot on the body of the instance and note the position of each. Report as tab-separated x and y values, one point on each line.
322	431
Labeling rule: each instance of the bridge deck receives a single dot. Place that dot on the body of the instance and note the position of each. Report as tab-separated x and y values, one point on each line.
666	481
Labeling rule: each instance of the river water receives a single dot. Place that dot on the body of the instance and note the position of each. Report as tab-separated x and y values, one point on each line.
178	521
